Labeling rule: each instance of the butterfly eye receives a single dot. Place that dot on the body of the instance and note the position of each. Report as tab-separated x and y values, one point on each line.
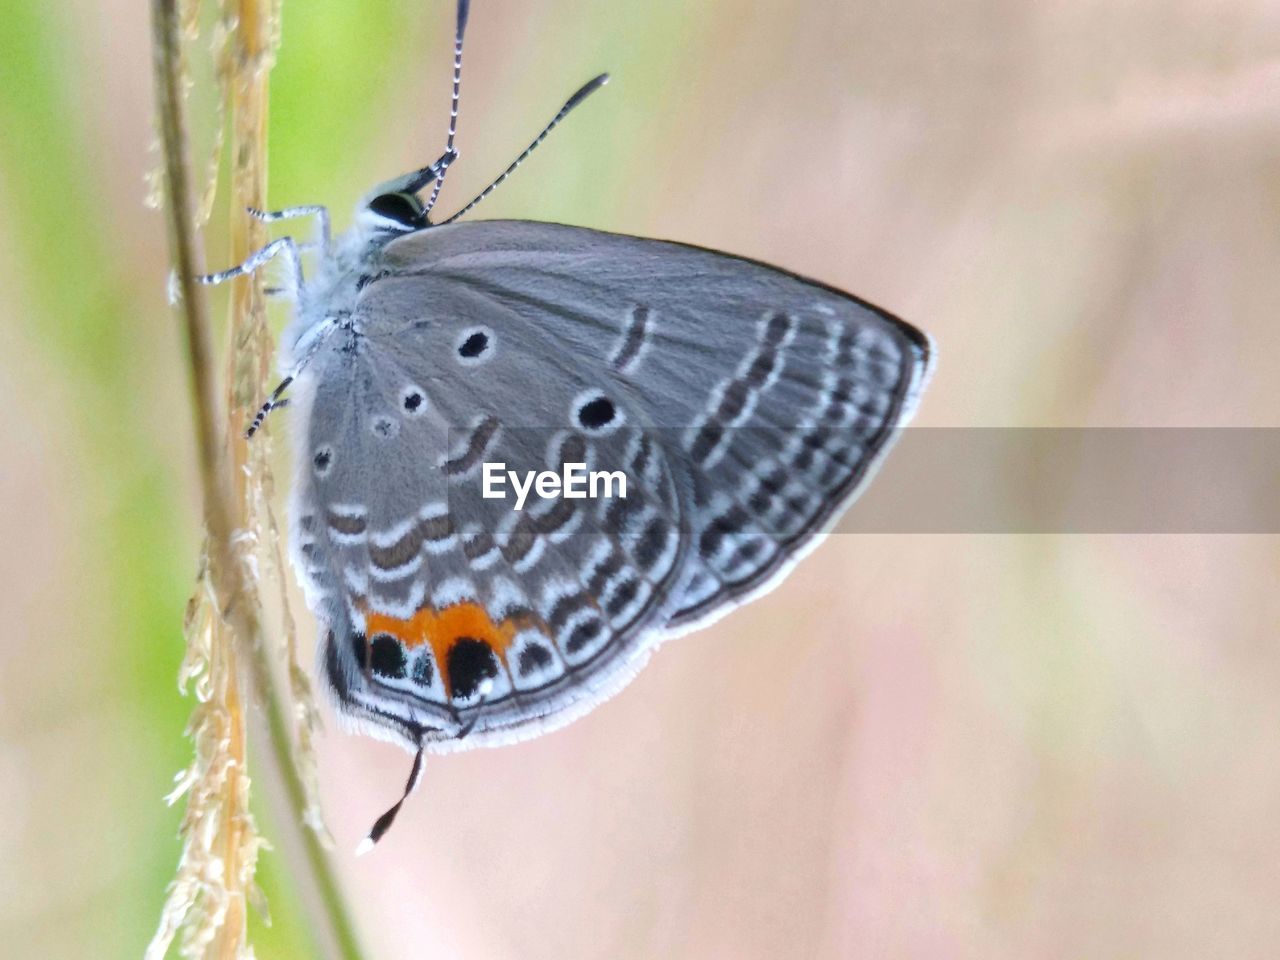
402	209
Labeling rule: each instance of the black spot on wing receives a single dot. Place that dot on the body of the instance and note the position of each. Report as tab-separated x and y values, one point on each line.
583	634
388	657
471	662
533	658
423	671
474	345
596	413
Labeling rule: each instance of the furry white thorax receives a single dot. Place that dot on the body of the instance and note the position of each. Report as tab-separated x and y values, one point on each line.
334	285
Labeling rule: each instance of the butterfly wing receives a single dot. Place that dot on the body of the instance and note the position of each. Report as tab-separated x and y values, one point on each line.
774	396
447	610
744	405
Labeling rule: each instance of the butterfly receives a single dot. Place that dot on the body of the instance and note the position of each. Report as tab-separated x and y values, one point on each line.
741	406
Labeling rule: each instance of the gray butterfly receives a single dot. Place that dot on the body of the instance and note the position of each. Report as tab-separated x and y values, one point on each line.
744	407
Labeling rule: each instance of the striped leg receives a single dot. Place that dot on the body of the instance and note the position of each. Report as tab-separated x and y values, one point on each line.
287	245
321	213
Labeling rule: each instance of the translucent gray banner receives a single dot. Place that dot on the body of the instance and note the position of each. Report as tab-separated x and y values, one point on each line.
934	480
1087	480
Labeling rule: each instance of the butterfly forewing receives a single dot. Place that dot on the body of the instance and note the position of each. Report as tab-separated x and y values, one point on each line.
775	396
744	405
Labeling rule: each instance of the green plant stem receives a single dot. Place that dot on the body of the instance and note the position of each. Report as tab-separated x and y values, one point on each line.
328	906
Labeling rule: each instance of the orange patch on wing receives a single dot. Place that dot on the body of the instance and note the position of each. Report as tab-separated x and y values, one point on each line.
443	629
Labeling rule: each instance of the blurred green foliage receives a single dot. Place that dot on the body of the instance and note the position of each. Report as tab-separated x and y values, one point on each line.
76	290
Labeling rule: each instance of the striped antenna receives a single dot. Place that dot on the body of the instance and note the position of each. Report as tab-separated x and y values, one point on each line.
588	88
464	8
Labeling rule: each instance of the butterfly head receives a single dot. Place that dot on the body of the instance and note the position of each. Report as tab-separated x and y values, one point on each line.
390	210
395	207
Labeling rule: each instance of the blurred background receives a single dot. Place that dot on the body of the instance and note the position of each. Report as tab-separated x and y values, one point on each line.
918	746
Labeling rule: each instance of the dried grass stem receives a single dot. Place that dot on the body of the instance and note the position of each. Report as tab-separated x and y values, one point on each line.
219	892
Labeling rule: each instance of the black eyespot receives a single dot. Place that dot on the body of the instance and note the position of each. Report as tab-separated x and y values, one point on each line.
322	460
533	658
387	657
583	634
402	208
413	401
470	662
596	413
423	671
474	345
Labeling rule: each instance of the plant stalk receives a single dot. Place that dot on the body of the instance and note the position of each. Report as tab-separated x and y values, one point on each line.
224	494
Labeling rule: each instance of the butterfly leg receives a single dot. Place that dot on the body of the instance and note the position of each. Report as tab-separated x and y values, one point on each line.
286	245
316	339
274	402
320	212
